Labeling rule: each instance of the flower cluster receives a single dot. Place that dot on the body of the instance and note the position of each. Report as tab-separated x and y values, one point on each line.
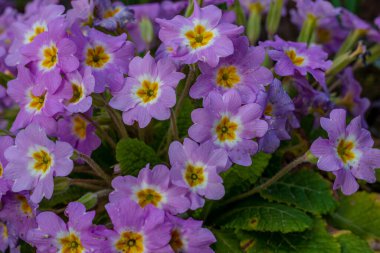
195	91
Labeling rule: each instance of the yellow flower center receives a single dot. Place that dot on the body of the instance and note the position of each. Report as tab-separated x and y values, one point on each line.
130	242
111	12
148	196
268	109
194	175
50	57
176	242
199	37
227	77
345	150
297	60
97	57
37	102
5	231
71	244
24	205
42	161
323	35
79	127
37	28
226	129
77	93
148	91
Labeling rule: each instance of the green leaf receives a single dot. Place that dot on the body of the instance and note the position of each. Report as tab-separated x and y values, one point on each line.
351	243
359	213
316	240
259	215
239	178
226	241
304	189
133	155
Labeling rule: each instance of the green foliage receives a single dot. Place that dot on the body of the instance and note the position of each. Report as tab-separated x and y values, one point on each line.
350	243
184	118
359	213
316	240
226	242
260	215
239	179
133	155
304	189
62	197
4	79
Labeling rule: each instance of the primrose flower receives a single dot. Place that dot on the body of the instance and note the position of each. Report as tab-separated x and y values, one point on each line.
78	88
8	238
19	213
151	187
350	96
296	57
321	10
35	106
80	133
82	11
137	229
5	185
35	23
348	152
149	91
107	56
112	15
196	168
51	54
241	71
34	160
54	235
229	125
279	113
189	236
203	34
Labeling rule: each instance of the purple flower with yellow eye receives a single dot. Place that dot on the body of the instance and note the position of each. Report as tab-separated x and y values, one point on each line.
19	213
151	187
80	133
82	11
296	58
112	15
5	185
350	96
78	87
54	235
189	236
229	125
149	91
241	71
34	160
27	29
107	56
51	53
348	152
321	10
35	106
137	229
206	38
279	113
196	168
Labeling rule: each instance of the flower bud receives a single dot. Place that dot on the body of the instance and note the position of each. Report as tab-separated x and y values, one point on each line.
61	184
146	29
308	29
274	16
89	200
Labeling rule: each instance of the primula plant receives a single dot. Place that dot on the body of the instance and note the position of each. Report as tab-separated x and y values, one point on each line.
189	127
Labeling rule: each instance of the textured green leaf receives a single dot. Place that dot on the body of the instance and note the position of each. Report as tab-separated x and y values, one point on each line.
350	243
304	189
359	213
316	240
260	215
226	241
239	178
133	155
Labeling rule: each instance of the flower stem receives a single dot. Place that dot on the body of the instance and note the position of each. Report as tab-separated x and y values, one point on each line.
185	91
95	167
122	131
272	180
103	133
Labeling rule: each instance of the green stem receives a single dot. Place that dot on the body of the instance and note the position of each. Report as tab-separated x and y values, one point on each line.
95	167
185	91
272	180
117	121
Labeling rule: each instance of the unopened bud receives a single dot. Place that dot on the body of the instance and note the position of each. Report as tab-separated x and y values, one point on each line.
89	200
